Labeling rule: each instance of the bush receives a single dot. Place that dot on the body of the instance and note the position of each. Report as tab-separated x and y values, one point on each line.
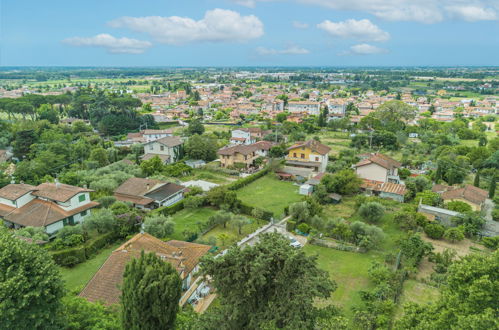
372	211
172	209
434	230
247	180
35	233
454	234
120	207
106	201
95	244
102	221
159	226
304	228
193	202
69	257
67	231
495	214
291	225
491	242
458	206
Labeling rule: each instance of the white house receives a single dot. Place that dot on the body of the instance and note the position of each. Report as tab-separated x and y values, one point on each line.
240	136
48	205
312	108
168	149
378	167
155	134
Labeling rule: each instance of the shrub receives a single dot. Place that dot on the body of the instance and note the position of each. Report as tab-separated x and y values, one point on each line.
304	228
495	214
35	233
102	221
454	234
193	202
458	206
291	225
106	201
69	257
66	231
159	226
247	180
95	244
372	211
172	209
120	207
491	242
434	230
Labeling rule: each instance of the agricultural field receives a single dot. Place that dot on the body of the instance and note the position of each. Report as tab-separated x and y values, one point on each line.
270	194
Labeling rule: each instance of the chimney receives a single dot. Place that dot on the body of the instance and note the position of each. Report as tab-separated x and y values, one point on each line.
147	186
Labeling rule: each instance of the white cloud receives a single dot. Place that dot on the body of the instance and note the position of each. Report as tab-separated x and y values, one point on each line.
473	13
300	25
111	44
291	50
364	49
362	30
423	11
217	25
245	3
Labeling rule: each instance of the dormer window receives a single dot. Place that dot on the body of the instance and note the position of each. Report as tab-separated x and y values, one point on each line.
81	198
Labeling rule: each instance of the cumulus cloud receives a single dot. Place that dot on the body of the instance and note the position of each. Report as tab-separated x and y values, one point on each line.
423	11
291	50
473	13
355	29
364	49
112	44
217	25
245	3
300	25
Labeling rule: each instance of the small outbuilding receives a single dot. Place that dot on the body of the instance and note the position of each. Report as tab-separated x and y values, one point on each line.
306	189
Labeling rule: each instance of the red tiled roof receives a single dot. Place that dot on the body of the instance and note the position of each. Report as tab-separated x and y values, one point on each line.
13	191
381	160
58	191
470	193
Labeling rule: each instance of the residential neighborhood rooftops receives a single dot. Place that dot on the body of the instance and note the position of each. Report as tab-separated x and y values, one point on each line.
468	192
137	186
381	160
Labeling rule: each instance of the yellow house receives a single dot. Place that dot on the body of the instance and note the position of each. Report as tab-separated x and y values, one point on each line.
310	154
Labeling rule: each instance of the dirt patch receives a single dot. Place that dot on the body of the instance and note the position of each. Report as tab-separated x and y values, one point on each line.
462	248
425	269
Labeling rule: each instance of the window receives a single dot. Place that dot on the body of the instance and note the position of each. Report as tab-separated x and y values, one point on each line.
81	198
303	156
162	148
84	213
316	159
294	154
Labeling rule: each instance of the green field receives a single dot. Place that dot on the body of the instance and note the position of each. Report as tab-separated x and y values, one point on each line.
270	194
211	176
188	219
348	270
75	278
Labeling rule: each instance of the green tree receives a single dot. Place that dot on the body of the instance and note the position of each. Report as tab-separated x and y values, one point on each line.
434	230
468	300
201	147
344	182
100	156
150	294
372	211
195	127
31	287
239	222
152	166
159	226
78	313
454	234
458	206
268	275
102	221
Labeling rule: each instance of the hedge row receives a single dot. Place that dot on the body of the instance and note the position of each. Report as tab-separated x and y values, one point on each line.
247	180
248	210
169	210
73	256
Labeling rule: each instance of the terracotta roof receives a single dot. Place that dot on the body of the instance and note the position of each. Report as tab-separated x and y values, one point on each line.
137	186
58	191
263	145
393	188
470	193
157	131
169	141
40	213
104	285
314	145
138	200
13	191
381	160
241	149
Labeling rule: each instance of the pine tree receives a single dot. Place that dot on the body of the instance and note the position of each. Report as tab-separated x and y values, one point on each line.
150	294
476	183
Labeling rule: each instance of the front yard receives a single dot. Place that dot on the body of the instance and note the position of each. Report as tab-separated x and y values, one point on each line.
270	194
348	270
77	276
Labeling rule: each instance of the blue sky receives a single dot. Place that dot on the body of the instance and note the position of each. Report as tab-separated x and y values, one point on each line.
249	32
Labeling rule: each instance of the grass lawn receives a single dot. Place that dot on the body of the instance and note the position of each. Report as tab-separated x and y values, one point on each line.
211	176
416	292
270	194
345	209
79	275
348	270
231	232
188	219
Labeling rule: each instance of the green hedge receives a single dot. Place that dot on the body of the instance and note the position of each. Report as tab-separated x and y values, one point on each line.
169	210
73	256
290	225
248	210
70	257
247	180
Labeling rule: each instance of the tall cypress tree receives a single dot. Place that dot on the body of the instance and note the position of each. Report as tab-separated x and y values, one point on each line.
476	183
150	294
